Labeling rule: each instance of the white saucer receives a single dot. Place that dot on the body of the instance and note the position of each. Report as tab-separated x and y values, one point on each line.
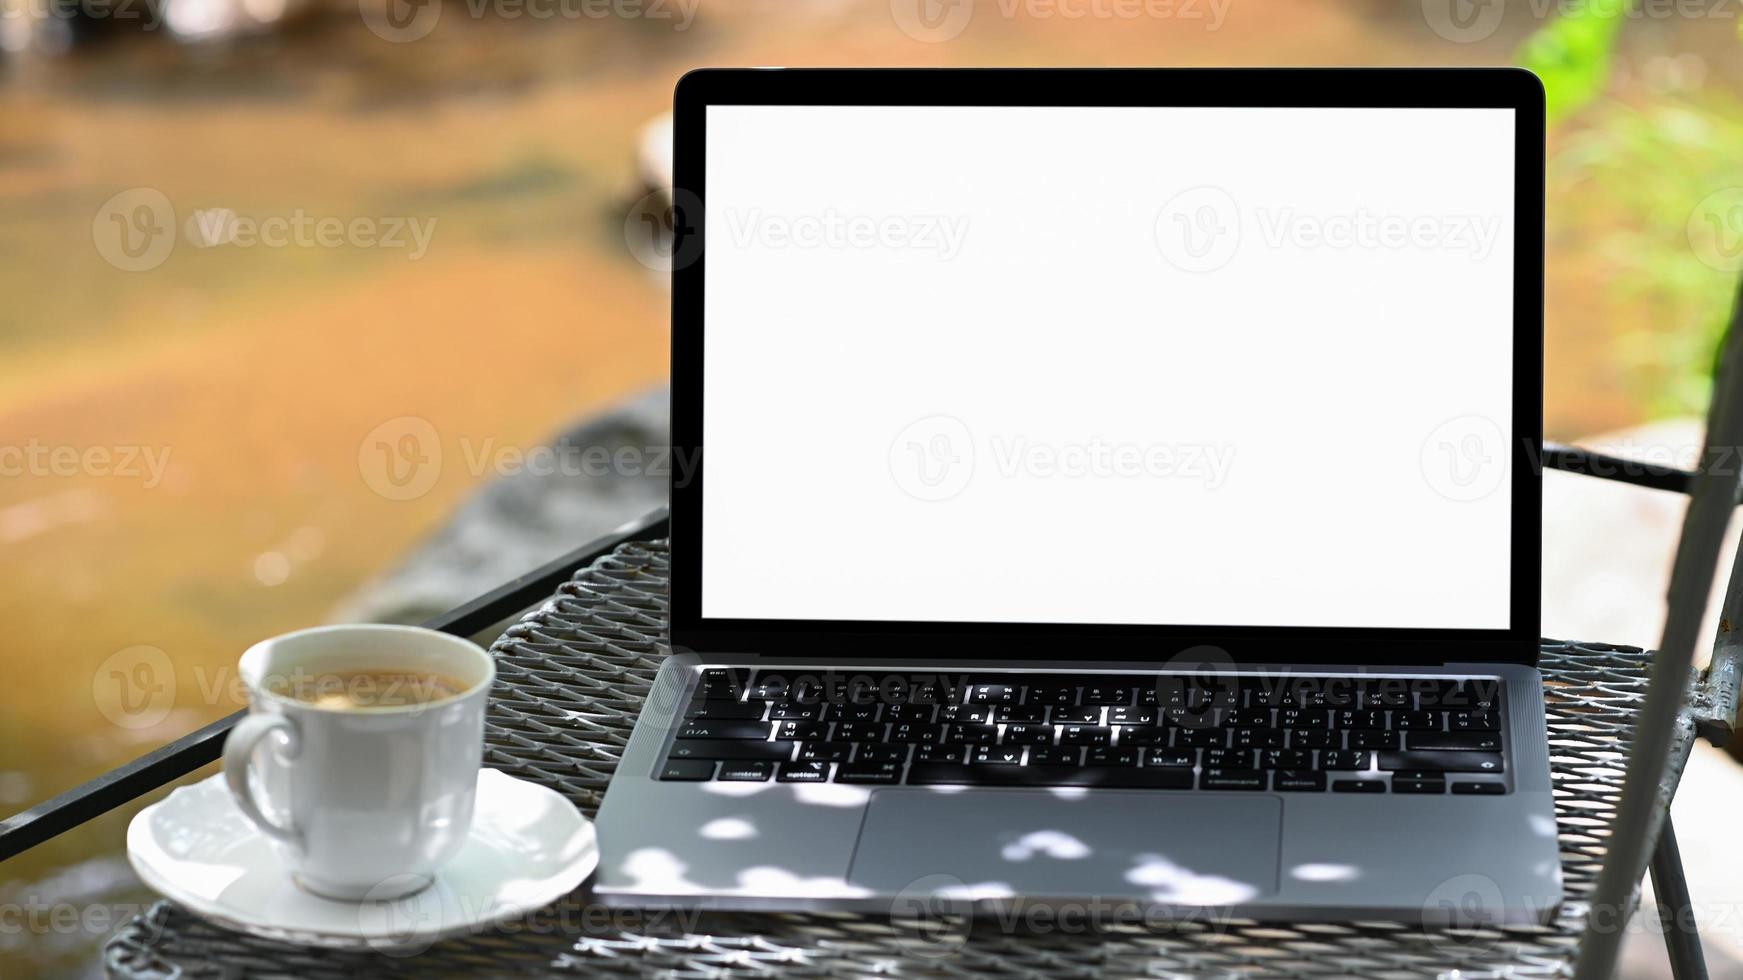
528	848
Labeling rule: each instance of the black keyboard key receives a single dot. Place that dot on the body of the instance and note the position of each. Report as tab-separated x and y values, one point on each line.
1110	756
952	691
966	714
1050	756
1192	717
869	772
992	694
1479	721
727	748
687	770
1271	695
1368	738
1059	695
1359	718
1214	693
1424	721
1023	714
913	713
1077	716
725	677
853	712
933	752
1125	715
803	772
1298	718
795	711
908	731
1443	761
932	774
1358	786
1201	738
1171	692
1028	734
1418	785
1417	774
1109	693
1453	741
881	753
1298	781
1256	738
1241	779
1144	736
802	731
746	772
825	751
1478	789
1344	759
1228	758
858	731
973	734
724	729
858	691
768	689
1171	758
1312	739
1386	693
998	755
1083	735
724	711
1247	718
1285	759
1330	692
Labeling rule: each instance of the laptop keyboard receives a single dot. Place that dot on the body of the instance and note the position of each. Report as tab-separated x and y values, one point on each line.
1286	733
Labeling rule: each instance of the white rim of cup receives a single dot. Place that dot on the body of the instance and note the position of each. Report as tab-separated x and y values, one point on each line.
484	683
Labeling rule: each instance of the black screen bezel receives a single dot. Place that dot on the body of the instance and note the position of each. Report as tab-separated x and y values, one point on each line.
822	640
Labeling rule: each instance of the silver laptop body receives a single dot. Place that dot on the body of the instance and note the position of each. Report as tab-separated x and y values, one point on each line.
1119	499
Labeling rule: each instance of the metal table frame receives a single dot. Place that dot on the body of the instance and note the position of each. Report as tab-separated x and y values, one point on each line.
571	679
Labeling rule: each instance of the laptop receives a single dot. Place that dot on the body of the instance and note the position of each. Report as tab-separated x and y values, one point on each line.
1109	489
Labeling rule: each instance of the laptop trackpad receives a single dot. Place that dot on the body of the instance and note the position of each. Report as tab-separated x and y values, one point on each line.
1164	847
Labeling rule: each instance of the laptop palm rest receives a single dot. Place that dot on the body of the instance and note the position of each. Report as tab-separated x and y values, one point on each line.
987	844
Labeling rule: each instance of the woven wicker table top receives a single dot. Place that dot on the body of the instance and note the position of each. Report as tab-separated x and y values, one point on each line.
571	679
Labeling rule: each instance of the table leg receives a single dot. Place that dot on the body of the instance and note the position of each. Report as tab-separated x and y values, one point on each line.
1676	914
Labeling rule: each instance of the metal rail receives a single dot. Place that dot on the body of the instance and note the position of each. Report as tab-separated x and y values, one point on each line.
1588	462
1643	809
55	816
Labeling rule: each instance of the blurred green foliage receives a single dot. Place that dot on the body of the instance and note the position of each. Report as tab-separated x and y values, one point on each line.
1572	54
1635	181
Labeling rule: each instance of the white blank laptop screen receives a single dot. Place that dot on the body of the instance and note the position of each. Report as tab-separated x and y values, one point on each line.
1144	366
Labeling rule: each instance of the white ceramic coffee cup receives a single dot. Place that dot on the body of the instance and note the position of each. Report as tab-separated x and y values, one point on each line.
360	802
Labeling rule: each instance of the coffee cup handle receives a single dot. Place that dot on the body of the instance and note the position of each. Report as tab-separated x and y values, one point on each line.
239	751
